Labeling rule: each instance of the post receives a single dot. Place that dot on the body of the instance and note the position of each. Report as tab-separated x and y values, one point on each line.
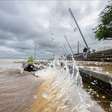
78	47
35	48
69	45
65	49
71	13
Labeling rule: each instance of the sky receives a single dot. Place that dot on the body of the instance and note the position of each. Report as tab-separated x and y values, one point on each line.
26	25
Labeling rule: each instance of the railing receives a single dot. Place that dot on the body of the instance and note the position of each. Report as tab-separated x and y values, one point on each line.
105	56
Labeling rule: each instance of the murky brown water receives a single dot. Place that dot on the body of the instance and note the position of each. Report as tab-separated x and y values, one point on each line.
17	91
48	93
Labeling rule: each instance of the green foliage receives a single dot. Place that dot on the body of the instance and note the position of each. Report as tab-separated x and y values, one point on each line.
30	60
106	15
104	30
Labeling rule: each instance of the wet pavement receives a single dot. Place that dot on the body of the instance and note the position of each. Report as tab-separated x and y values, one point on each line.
101	67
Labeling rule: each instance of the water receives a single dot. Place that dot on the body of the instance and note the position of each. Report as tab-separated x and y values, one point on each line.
16	90
56	89
62	91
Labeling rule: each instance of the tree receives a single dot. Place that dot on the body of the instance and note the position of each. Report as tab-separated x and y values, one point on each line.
104	29
30	60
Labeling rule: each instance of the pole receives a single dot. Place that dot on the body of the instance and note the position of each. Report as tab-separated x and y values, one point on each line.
65	49
78	47
71	13
35	49
68	44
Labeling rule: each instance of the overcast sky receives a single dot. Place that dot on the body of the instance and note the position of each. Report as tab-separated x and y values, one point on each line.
25	23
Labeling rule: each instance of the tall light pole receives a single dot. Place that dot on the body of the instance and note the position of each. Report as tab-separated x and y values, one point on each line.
71	13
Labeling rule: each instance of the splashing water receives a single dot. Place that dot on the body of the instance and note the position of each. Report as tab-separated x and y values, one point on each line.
61	90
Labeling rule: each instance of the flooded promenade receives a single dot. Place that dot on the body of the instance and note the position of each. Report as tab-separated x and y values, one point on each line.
54	90
55	55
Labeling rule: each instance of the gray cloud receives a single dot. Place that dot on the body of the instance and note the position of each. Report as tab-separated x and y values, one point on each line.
23	23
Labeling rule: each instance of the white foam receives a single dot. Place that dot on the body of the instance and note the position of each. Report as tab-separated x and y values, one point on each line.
70	95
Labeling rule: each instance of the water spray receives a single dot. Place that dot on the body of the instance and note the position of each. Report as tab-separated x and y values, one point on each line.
74	67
